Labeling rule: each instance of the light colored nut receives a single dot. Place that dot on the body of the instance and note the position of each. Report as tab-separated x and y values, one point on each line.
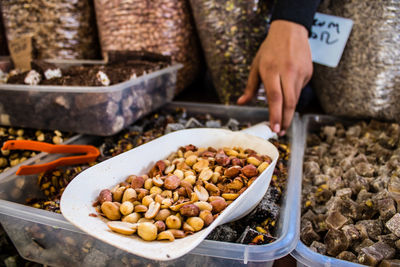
236	184
140	208
124	228
218	169
207	217
191	160
188	154
203	205
253	160
163	215
179	174
189	173
194	197
155	190
132	218
105	195
180	153
166	194
160	226
129	195
126	208
215	177
147	231
232	171
169	169
231	152
177	207
141	193
137	182
196	223
158	198
262	167
111	210
172	182
206	174
175	196
189	210
148	184
166	235
142	220
177	161
230	196
200	165
147	200
249	171
181	191
166	203
251	181
177	233
153	210
136	202
173	222
211	187
190	179
187	228
201	193
218	205
118	192
182	166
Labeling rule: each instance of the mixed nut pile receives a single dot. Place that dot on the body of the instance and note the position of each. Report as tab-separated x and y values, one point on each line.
351	193
182	194
256	228
11	158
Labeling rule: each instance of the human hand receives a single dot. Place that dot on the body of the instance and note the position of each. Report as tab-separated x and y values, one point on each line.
284	65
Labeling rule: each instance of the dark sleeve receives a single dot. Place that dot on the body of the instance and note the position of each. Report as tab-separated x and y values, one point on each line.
298	11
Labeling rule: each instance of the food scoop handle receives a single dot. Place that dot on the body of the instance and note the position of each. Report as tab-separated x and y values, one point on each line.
261	130
91	154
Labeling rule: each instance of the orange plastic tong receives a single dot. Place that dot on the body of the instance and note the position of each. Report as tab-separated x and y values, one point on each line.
91	153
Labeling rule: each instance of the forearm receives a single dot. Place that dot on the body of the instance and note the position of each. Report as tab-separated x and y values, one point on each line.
298	11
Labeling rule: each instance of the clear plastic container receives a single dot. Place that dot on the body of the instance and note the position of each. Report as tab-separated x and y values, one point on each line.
303	254
48	238
97	110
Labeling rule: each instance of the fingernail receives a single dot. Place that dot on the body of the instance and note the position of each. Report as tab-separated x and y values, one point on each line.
282	133
240	99
276	128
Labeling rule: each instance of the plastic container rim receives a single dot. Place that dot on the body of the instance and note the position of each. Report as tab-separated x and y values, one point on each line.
90	89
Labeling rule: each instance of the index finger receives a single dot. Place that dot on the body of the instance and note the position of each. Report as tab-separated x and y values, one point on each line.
273	90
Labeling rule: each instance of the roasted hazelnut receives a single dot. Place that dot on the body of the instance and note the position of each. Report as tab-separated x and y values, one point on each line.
207	217
148	184
172	182
218	205
160	226
137	182
105	195
249	171
232	171
190	210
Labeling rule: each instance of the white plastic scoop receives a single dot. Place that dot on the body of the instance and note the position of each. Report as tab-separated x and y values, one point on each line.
77	199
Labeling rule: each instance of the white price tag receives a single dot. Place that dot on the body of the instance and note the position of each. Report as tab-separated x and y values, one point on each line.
328	38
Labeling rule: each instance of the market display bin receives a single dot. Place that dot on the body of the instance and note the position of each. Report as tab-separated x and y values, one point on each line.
97	110
48	238
303	254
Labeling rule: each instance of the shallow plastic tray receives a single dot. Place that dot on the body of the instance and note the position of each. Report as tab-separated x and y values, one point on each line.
97	110
303	254
48	238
